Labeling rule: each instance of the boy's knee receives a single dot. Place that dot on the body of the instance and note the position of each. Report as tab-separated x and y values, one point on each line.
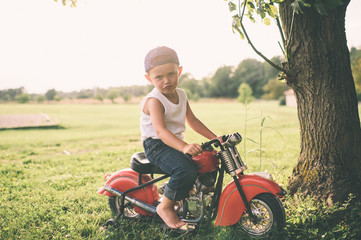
192	173
189	174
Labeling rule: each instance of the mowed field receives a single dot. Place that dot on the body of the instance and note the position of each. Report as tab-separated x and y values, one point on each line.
49	177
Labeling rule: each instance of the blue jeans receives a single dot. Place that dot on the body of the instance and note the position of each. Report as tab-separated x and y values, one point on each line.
182	169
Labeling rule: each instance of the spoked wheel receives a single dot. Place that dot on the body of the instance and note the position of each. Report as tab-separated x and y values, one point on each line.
269	214
115	206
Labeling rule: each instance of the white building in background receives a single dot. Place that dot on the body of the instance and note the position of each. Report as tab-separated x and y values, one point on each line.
290	98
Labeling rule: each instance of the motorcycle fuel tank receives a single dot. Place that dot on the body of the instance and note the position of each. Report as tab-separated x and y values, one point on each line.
206	161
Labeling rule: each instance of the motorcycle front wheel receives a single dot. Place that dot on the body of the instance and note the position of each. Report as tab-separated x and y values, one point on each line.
269	213
115	207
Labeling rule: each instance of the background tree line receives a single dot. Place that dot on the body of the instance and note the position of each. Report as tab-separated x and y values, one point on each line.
223	83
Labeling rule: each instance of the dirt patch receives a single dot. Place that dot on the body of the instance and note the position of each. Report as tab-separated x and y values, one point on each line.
26	120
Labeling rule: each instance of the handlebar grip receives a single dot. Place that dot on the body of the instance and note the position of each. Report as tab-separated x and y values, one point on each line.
227	141
205	145
208	144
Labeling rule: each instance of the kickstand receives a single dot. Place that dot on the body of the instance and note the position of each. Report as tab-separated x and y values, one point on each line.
112	222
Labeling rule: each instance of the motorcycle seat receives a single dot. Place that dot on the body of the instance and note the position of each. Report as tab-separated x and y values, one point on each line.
140	164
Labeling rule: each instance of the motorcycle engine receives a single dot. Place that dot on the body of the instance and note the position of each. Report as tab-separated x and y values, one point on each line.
197	205
200	197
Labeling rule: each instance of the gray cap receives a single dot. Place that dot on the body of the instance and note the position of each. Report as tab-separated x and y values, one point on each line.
159	56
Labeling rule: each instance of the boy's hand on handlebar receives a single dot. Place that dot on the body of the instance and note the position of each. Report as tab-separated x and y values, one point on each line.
192	149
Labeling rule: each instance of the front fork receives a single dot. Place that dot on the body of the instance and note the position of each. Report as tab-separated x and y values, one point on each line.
218	192
244	199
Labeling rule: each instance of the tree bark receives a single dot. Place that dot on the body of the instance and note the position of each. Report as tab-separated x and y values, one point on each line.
329	165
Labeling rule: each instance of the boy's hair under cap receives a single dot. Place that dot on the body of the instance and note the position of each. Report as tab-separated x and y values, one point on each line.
159	56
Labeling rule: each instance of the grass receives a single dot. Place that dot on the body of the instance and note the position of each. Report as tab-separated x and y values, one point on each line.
49	177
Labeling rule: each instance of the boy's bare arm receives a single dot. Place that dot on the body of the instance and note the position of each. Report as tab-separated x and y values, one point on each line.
156	110
197	125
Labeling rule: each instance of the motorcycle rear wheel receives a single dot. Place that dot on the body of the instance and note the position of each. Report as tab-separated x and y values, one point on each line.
115	206
270	215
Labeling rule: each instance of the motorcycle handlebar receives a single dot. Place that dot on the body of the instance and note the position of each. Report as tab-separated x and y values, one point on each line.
207	144
229	140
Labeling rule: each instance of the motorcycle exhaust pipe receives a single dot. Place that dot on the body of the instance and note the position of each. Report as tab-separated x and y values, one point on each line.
146	207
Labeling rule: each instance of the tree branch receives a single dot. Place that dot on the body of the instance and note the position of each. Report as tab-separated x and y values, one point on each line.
260	54
244	8
281	32
291	30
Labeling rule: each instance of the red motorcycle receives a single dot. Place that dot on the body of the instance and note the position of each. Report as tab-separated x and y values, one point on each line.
250	202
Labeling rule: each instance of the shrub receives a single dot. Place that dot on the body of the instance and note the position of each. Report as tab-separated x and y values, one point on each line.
23	98
245	93
309	219
40	98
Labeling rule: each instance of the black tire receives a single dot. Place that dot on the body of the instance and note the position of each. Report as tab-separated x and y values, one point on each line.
129	212
270	215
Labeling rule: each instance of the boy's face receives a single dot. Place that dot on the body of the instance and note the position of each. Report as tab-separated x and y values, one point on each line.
165	77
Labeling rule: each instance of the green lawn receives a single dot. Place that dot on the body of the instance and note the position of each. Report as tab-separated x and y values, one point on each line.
49	177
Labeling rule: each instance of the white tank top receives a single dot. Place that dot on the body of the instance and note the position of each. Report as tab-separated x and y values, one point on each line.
174	115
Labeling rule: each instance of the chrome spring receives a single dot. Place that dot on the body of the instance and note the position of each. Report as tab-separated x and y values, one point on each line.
236	157
228	161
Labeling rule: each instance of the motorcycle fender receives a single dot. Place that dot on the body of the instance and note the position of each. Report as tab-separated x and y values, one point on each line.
121	180
231	206
127	179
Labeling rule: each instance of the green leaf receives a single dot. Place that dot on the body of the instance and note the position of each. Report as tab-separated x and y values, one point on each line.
250	16
232	7
304	4
267	21
297	6
261	11
320	8
239	31
263	15
250	6
236	24
262	121
273	12
236	20
260	6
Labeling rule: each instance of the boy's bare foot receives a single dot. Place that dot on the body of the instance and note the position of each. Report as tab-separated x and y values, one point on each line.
165	210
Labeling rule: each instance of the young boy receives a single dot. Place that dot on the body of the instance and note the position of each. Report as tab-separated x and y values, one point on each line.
163	114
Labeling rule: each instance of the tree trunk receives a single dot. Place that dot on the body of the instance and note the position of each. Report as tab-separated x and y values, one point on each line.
329	165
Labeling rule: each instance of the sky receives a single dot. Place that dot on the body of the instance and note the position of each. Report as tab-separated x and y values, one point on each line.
102	43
